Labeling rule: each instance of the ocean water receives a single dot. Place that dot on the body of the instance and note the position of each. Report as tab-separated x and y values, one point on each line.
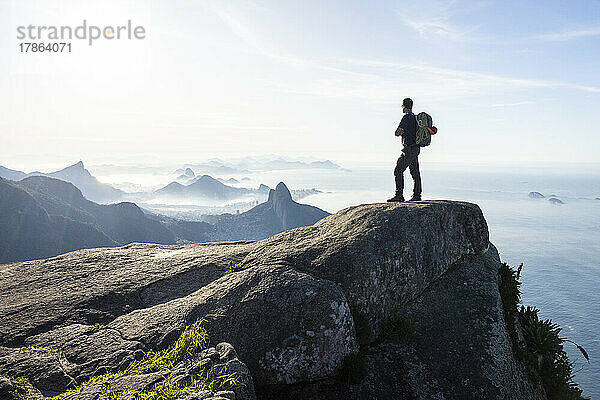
559	245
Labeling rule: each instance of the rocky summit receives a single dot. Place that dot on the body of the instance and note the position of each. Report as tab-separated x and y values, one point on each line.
305	314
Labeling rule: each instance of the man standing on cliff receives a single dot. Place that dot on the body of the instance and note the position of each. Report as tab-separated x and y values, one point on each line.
410	154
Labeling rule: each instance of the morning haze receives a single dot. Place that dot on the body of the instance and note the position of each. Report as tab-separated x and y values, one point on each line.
199	210
211	78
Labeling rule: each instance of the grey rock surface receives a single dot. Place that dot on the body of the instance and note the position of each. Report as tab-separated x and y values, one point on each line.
380	255
293	306
97	285
457	347
286	325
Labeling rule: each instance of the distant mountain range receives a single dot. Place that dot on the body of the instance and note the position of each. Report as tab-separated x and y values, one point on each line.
203	186
42	217
29	231
75	174
207	187
244	165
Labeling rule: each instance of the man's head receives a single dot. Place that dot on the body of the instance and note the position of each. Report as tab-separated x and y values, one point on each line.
407	105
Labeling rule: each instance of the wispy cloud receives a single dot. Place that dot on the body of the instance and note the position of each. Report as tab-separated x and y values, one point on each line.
515	104
438	27
434	19
381	81
468	79
569	34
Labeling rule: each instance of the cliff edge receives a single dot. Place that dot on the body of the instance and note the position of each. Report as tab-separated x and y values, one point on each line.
376	301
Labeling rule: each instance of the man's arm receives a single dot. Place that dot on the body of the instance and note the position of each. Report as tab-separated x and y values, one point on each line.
399	131
402	126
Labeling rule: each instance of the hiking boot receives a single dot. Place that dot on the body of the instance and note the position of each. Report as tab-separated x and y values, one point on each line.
397	198
415	198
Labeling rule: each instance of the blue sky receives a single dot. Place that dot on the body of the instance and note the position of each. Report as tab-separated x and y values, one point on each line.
504	81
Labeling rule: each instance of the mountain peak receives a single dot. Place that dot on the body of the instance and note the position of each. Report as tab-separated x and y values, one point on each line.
78	165
281	194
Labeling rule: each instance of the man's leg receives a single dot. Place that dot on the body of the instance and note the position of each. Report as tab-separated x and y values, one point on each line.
416	175
401	165
403	162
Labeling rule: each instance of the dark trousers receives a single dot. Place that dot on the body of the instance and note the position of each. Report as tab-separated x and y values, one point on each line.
409	159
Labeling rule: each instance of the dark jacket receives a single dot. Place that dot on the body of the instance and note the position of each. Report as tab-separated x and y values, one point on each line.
409	124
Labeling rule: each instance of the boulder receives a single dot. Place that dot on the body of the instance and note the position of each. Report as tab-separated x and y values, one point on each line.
381	255
299	308
286	325
453	344
536	195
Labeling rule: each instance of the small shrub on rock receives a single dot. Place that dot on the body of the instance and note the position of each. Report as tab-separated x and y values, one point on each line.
541	348
190	342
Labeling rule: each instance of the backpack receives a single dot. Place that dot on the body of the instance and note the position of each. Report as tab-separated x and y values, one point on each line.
424	122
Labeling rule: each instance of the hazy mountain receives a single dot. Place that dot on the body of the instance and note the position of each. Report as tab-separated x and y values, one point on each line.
536	195
297	194
262	163
29	231
123	222
89	186
215	169
277	214
208	187
203	186
183	179
231	181
262	188
246	164
282	164
42	217
78	176
11	174
189	231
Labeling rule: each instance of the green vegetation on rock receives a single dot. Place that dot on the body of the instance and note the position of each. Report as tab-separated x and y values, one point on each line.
232	267
192	341
540	346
